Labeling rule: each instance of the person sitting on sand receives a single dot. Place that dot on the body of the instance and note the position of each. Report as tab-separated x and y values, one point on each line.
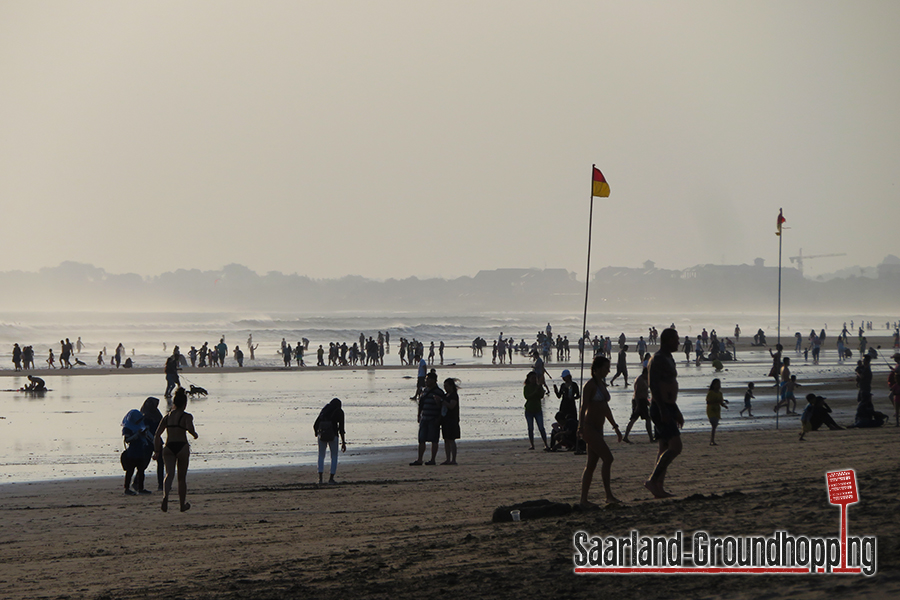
36	384
821	414
595	412
714	403
806	417
177	452
329	424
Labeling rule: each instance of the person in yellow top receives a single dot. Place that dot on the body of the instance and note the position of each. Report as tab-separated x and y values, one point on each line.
714	404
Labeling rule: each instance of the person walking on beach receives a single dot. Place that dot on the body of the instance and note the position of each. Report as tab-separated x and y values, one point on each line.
534	394
595	412
640	405
663	380
177	452
329	424
450	419
429	418
748	395
222	349
171	371
621	365
714	403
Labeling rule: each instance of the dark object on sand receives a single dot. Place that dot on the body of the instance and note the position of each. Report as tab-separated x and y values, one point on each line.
533	509
197	390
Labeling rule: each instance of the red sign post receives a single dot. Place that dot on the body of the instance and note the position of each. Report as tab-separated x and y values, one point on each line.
842	490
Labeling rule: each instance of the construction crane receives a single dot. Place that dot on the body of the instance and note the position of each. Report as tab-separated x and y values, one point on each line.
800	258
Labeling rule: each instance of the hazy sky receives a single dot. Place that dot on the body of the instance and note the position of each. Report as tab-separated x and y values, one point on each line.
426	138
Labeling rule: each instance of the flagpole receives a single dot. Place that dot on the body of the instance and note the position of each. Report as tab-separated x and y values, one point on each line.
587	285
780	239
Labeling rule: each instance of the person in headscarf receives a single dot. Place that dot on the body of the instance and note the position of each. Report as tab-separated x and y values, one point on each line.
138	449
152	417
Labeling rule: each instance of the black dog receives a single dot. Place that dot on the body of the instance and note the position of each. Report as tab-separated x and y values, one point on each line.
196	390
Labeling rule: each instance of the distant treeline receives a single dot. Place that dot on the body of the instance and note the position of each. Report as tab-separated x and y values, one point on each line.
717	288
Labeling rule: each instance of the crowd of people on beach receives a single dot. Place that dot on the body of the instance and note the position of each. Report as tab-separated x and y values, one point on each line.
577	424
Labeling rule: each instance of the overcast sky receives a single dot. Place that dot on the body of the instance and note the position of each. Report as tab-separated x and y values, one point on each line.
390	139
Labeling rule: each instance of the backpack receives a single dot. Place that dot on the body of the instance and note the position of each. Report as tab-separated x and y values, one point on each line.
326	430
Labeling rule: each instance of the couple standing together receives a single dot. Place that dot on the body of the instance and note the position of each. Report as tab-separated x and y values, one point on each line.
438	413
664	412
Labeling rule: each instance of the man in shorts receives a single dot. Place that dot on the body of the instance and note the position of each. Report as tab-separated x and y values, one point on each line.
664	411
429	418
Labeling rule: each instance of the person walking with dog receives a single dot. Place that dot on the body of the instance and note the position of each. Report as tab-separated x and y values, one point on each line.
171	371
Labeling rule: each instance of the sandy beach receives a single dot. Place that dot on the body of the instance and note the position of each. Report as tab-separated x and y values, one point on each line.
394	531
391	530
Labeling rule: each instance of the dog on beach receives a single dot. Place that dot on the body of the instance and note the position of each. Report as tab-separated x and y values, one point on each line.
196	390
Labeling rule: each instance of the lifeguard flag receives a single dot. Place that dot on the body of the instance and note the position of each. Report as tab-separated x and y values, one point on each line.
781	220
601	188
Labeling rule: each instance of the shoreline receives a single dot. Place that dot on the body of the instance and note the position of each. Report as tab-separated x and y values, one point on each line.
882	342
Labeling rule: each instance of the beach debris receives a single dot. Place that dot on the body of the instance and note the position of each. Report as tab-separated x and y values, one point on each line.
533	509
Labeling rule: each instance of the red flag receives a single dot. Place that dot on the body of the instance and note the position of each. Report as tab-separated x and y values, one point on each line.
781	220
600	187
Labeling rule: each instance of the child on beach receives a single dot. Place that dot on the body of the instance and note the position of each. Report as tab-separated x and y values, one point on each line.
714	404
788	400
747	396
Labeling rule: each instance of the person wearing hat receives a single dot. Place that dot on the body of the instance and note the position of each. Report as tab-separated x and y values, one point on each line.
567	393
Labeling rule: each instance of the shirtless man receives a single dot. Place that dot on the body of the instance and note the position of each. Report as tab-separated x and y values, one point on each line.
664	411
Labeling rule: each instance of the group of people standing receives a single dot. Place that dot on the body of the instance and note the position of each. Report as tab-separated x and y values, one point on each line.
143	431
438	415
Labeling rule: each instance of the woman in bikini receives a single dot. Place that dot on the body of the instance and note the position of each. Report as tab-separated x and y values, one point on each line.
177	452
594	412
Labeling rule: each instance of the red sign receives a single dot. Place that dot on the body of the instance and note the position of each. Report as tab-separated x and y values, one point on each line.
842	487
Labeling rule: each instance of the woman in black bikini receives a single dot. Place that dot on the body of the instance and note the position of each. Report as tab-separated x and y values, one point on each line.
594	413
177	452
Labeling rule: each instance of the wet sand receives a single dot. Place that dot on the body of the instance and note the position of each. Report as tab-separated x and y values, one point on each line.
388	530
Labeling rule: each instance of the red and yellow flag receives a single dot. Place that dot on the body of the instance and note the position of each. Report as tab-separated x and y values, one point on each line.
781	220
601	188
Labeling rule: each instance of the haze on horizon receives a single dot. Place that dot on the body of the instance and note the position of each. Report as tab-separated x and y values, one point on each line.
400	138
